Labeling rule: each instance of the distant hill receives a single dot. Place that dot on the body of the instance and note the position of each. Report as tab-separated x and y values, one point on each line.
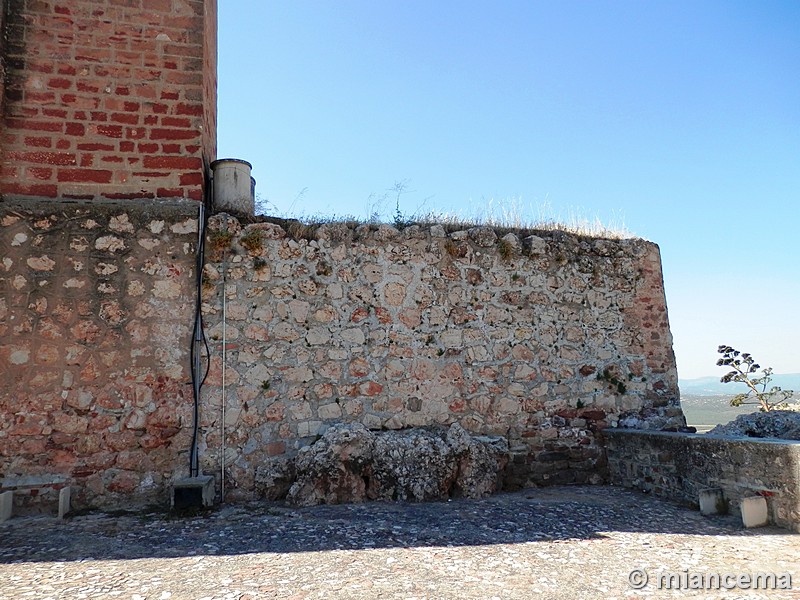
711	386
704	412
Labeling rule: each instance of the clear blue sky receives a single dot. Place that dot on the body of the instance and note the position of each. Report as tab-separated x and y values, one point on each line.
680	119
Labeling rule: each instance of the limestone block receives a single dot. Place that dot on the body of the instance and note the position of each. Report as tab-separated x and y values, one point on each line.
274	478
452	338
754	511
712	502
64	496
318	336
437	231
353	335
330	411
482	236
6	505
535	245
351	464
511	238
395	293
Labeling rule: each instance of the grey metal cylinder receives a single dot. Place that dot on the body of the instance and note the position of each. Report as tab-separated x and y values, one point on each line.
234	188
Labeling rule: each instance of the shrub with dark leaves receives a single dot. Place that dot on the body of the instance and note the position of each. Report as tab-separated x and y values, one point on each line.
744	370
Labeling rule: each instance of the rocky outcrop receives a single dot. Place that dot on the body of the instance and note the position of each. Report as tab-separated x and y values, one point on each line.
350	463
781	424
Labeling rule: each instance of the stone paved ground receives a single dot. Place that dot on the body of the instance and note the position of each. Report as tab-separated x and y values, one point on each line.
560	542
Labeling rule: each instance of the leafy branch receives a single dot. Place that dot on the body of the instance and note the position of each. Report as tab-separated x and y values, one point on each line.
743	370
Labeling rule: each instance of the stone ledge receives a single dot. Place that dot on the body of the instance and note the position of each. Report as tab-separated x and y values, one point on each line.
681	465
622	431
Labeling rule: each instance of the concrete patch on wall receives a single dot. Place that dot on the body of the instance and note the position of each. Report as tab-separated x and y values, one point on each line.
542	339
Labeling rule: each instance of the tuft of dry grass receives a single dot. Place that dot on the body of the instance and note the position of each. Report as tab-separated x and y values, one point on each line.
505	249
505	216
252	241
511	216
220	240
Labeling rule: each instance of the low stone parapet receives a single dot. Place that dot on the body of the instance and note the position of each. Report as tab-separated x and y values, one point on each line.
680	466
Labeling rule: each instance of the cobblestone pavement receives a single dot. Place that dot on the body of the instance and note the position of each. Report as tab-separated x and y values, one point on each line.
560	542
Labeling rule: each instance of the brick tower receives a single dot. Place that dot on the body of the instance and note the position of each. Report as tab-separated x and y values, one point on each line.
107	99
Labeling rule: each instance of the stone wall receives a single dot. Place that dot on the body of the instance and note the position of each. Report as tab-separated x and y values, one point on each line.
533	344
96	309
543	339
678	466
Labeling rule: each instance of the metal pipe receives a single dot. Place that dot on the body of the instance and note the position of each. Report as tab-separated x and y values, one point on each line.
224	367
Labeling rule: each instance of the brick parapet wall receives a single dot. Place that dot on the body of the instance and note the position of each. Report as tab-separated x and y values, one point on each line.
545	340
96	310
680	465
108	99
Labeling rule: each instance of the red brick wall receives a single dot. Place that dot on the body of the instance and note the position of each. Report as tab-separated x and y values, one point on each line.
210	82
2	56
109	98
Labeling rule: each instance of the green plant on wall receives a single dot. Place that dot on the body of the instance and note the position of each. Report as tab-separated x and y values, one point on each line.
220	240
744	370
252	241
614	383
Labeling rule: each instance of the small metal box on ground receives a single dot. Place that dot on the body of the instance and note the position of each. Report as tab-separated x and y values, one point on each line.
193	492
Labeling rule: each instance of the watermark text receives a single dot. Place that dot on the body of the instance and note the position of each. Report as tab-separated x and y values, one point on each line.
689	580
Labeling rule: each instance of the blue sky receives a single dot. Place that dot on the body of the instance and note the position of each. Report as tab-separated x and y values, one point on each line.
679	119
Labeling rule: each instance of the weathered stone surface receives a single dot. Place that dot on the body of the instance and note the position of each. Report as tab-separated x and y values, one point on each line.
781	424
274	478
350	463
330	471
485	237
93	359
534	244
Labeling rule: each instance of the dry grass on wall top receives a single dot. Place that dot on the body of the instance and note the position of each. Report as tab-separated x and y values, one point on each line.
337	228
509	215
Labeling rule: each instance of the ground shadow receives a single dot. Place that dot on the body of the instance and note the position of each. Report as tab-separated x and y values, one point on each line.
547	514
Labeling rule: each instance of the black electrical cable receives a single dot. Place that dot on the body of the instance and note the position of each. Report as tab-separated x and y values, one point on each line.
198	336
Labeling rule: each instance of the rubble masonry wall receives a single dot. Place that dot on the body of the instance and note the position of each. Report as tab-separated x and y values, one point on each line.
96	306
680	465
545	340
